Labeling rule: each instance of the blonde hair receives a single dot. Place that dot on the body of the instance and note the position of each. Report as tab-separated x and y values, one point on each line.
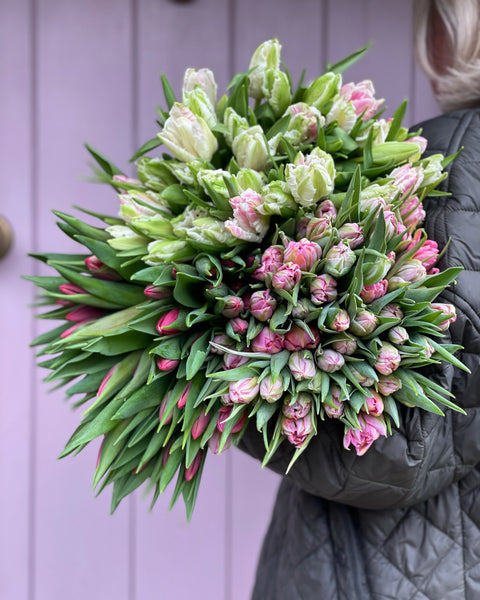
457	83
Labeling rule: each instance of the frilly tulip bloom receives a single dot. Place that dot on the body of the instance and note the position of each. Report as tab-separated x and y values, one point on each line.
372	292
165	364
271	389
272	260
97	268
339	259
388	359
398	335
298	339
364	323
191	471
362	97
303	126
187	136
391	311
410	271
84	314
250	149
391	224
244	390
158	292
239	326
232	361
165	325
200	104
247	224
427	254
448	310
327	209
297	430
277	200
388	384
214	442
420	141
433	169
299	408
200	424
262	305
267	341
340	321
287	277
184	396
371	428
343	112
276	90
304	253
265	57
329	361
301	365
374	404
353	232
224	413
311	178
334	406
412	212
318	228
233	306
345	346
323	289
407	179
203	78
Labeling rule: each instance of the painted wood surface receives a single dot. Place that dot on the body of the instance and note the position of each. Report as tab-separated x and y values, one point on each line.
72	72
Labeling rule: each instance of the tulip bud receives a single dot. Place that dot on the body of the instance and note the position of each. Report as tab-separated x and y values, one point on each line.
232	361
204	79
361	378
224	413
388	359
297	430
267	341
158	292
353	232
250	148
399	152
165	364
232	306
303	308
299	408
374	404
361	96
71	289
214	180
343	112
187	136
433	170
345	346
191	471
304	123
234	123
391	311
276	90
409	272
200	104
407	179
338	320
266	56
247	224
304	253
301	365
262	305
318	230
244	390
214	442
448	310
99	270
322	90
250	179
323	289
326	208
165	251
271	389
184	396
372	292
163	406
298	339
200	424
311	177
170	321
398	335
239	326
364	323
329	360
420	141
388	384
371	428
277	200
84	314
272	260
374	272
339	260
428	349
287	277
333	407
222	340
412	212
427	254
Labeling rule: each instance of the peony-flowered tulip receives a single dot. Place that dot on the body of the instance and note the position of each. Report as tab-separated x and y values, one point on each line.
251	149
345	346
407	179
371	428
339	320
362	97
262	305
398	335
375	271
224	413
412	212
301	365
333	407
391	311
271	389
388	384
339	259
187	136
326	208
409	272
272	260
388	359
304	253
277	200
302	309
244	390
364	323
232	361
267	341
287	277
372	292
427	254
298	339
329	360
266	56
200	424
191	470
239	326
311	178
420	141
343	113
318	229
374	404
166	364
448	310
353	233
323	289
247	224
304	122
299	408
297	430
233	306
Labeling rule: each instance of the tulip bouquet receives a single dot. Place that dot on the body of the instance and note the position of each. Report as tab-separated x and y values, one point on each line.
270	267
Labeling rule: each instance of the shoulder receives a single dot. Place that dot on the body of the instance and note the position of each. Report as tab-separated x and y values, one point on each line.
448	133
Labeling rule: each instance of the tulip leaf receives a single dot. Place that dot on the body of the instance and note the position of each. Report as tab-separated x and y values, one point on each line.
197	355
146	147
103	162
265	413
347	62
390	407
396	122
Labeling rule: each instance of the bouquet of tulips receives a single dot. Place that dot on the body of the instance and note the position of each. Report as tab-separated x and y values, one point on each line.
269	267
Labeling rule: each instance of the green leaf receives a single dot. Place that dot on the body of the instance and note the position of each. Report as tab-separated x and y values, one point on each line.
390	407
197	355
347	62
168	92
395	125
103	162
146	147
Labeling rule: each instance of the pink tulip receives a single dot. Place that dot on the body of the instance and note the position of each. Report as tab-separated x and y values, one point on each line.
412	212
339	259
158	292
272	260
372	292
301	365
191	471
84	314
410	271
224	413
287	277
73	328
239	326
391	224
200	424
262	305
371	428
353	232
163	406
302	309
407	179
299	408
364	323
374	404
271	389
326	208
448	310
232	361
391	311
297	430
247	224
166	364
329	360
298	339
427	254
334	407
166	452
388	384
420	141
222	340
345	346
388	359
267	341
244	390
166	322
184	395
361	96
233	306
303	253
323	289
340	321
105	380
362	379
398	335
99	270
318	228
71	289
214	442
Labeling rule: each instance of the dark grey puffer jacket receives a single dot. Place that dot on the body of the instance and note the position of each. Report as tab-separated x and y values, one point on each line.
403	521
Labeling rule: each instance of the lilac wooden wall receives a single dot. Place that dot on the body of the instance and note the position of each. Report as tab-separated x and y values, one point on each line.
75	71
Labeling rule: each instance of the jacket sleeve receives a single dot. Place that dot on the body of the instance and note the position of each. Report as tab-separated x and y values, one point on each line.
428	452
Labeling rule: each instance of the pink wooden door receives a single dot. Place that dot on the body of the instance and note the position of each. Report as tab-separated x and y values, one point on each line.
72	72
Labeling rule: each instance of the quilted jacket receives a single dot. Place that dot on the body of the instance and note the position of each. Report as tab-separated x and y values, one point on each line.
403	521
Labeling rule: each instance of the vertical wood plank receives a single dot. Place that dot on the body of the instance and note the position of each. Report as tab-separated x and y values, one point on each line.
16	370
83	79
176	559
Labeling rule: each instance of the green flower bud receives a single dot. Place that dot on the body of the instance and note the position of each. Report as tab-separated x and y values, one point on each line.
311	177
165	251
153	173
277	200
322	90
248	179
265	57
156	227
199	103
214	179
400	152
234	123
276	90
250	149
124	238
